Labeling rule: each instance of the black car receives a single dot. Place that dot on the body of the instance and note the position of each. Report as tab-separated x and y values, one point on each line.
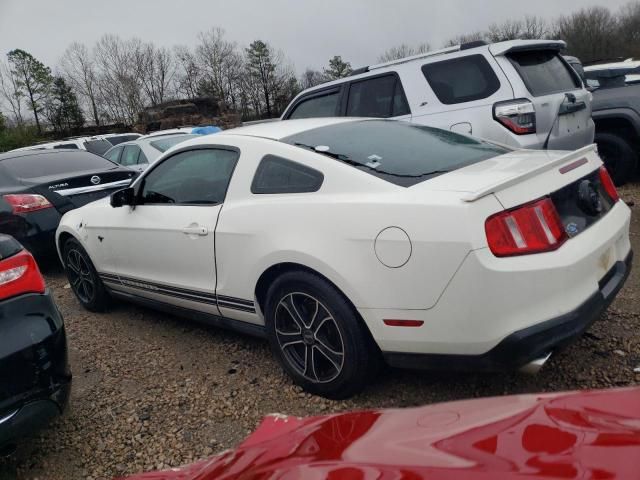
34	373
38	186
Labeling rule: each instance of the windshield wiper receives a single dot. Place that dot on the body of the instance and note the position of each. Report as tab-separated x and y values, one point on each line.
346	159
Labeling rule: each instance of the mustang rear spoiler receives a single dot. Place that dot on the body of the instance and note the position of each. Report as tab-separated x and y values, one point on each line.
506	183
503	48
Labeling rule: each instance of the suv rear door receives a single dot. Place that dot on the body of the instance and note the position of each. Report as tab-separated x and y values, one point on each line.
561	102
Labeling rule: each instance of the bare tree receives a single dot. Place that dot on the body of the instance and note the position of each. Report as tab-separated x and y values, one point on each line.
219	62
188	74
159	68
534	28
465	38
629	30
79	69
311	78
11	93
590	33
403	50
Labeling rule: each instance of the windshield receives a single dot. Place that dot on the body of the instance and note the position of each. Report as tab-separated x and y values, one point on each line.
165	143
399	152
97	146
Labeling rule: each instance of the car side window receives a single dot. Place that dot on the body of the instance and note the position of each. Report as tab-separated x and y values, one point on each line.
320	105
192	177
279	175
142	158
380	97
461	80
114	155
130	155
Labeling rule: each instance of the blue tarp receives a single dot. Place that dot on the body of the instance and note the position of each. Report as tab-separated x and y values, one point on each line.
206	130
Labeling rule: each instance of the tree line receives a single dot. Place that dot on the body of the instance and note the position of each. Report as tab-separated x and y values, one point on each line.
113	80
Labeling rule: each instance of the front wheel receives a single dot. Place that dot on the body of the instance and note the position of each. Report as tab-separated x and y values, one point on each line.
83	277
618	156
317	337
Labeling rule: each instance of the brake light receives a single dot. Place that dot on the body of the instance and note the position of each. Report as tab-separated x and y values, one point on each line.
607	183
519	116
25	203
532	228
20	274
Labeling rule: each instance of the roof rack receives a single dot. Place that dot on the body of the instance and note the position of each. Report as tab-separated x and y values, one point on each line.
442	51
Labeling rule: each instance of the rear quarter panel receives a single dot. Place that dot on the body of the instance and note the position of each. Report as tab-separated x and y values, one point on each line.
332	231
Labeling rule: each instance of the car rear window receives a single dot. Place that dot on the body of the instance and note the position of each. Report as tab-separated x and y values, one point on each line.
461	80
60	163
400	152
543	71
165	143
97	146
118	139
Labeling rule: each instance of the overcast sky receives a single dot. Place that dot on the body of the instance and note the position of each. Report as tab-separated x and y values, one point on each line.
309	32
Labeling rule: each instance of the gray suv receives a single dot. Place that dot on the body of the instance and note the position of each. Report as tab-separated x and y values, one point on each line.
520	93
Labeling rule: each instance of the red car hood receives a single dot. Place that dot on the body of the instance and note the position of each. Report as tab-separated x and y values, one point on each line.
585	435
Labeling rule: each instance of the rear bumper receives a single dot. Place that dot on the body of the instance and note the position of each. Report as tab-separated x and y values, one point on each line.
34	372
529	343
35	231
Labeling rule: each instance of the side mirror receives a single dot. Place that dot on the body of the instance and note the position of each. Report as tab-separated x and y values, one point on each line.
122	197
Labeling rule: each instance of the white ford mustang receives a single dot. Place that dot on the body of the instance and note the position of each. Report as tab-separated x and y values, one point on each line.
348	241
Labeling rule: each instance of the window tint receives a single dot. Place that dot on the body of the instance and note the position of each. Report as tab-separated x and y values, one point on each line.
377	97
191	177
460	80
142	158
278	175
66	145
97	146
543	71
118	139
114	154
165	143
399	152
59	163
130	155
325	105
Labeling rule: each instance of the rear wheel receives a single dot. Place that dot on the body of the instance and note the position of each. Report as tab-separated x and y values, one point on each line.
618	156
83	277
317	337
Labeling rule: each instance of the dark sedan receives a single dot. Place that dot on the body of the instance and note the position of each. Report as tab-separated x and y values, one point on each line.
38	186
34	374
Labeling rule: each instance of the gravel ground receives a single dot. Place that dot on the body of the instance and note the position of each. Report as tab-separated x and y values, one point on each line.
152	391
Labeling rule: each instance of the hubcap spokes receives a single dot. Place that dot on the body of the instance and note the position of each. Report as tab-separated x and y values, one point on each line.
80	276
309	337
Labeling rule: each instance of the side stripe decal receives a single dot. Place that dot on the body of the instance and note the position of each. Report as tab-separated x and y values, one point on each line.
182	293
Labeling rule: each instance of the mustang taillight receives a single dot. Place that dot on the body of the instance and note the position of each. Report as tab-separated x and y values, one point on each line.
25	203
607	183
532	228
519	116
20	274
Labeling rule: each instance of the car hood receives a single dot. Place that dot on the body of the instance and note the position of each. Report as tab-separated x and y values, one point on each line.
589	434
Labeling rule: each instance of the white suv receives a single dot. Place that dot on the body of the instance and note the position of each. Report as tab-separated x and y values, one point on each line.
520	93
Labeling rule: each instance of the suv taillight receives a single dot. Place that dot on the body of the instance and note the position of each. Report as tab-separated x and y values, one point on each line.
26	202
532	228
608	185
20	274
519	116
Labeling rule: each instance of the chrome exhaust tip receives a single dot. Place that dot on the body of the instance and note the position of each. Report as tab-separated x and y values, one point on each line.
534	366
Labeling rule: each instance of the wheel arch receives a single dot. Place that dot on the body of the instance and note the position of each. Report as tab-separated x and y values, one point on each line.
617	121
62	236
269	275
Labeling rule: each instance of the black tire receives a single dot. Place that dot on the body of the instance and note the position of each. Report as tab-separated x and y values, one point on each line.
331	327
618	156
83	277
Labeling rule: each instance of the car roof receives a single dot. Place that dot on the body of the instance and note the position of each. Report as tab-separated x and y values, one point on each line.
280	129
498	48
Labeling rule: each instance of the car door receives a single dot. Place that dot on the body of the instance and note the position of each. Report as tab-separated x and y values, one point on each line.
380	96
164	246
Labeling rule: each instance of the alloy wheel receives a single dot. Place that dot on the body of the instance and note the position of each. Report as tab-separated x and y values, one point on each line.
309	337
80	276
